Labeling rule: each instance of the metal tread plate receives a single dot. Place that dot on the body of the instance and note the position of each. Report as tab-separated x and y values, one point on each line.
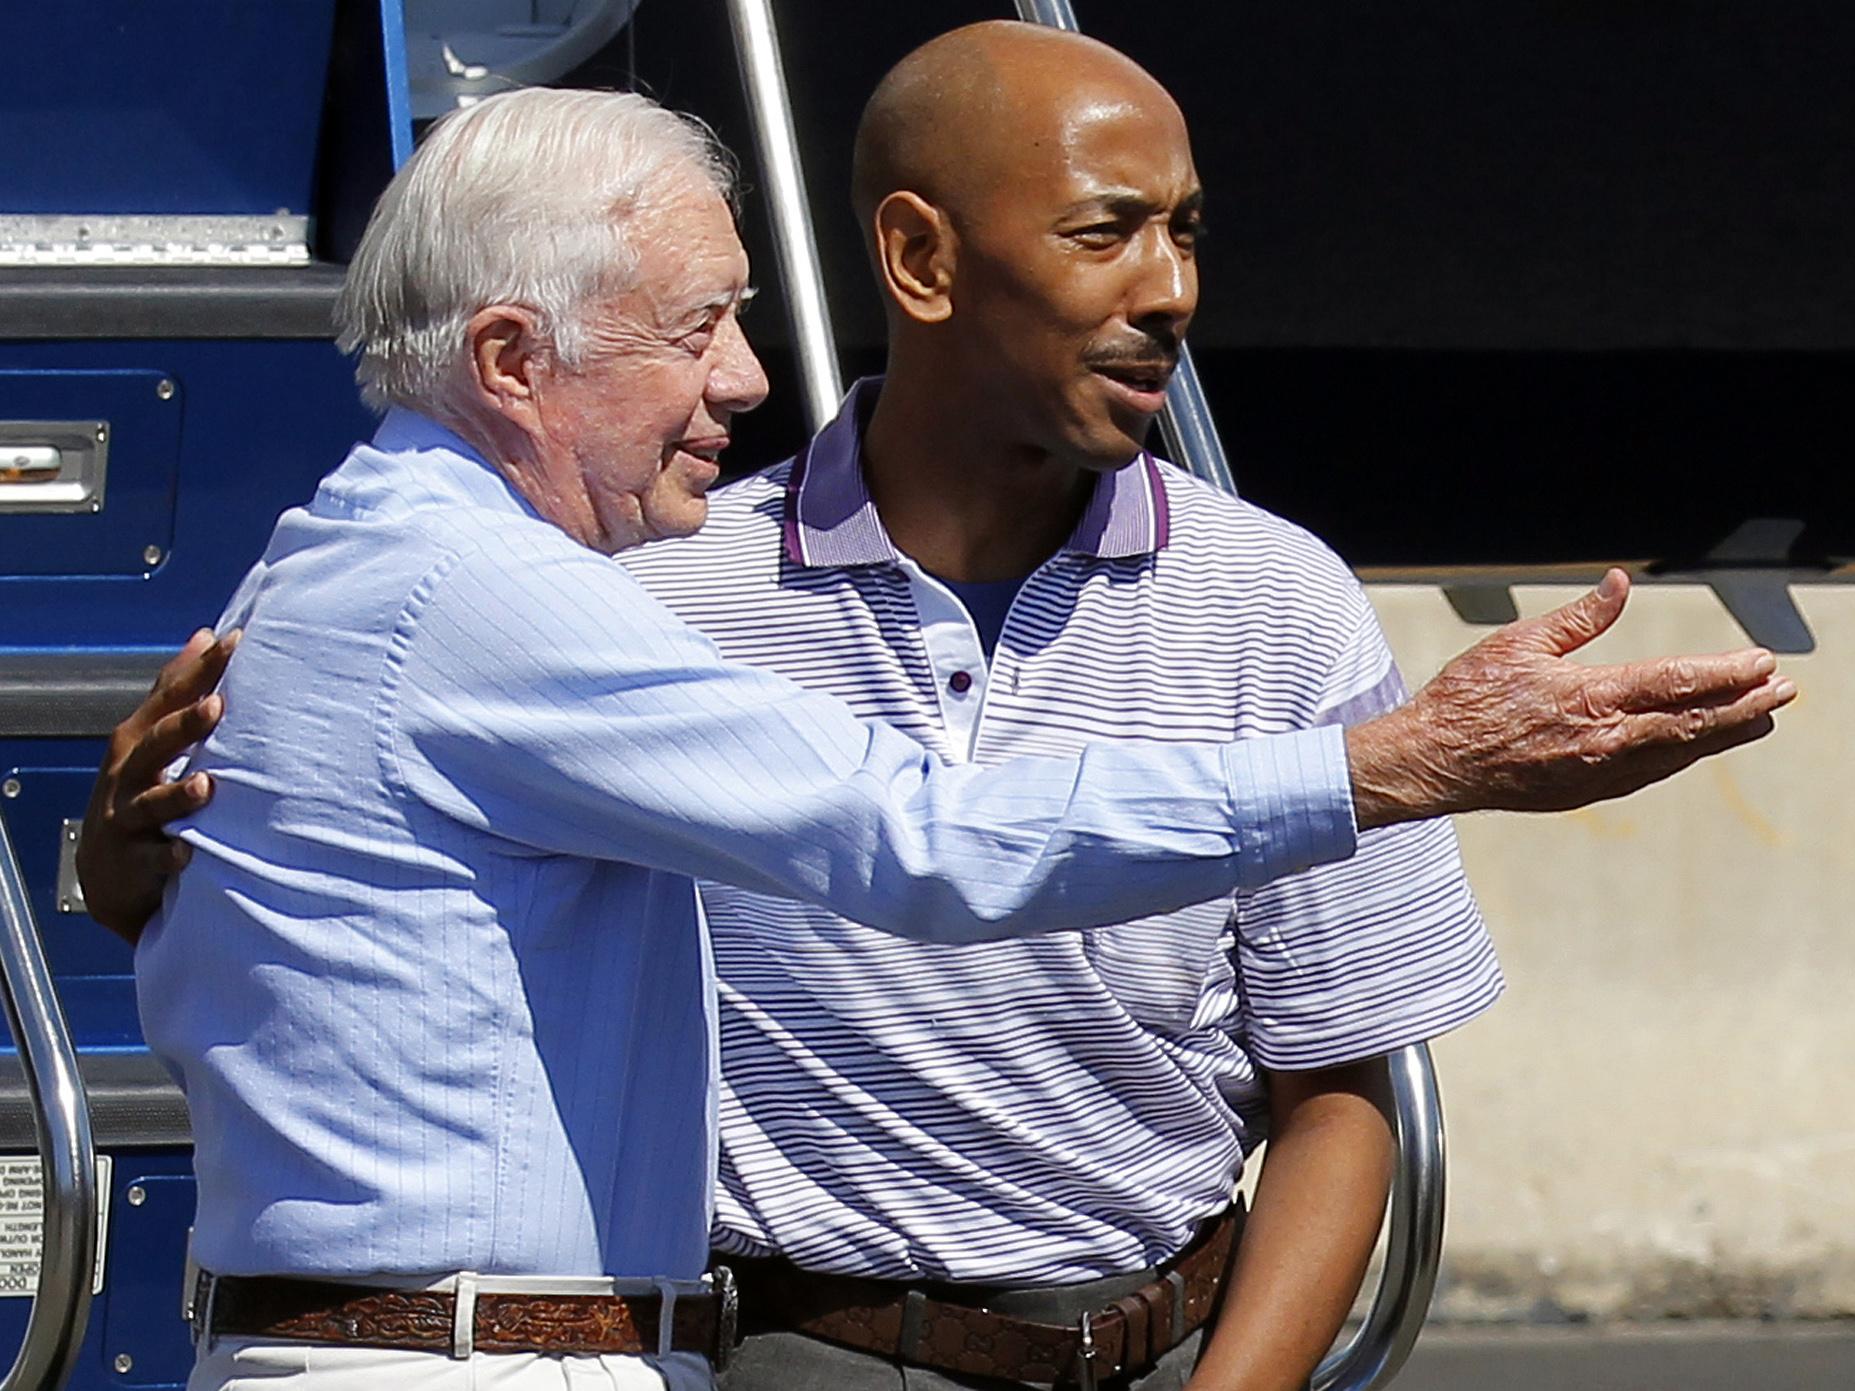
68	695
40	303
133	239
133	1102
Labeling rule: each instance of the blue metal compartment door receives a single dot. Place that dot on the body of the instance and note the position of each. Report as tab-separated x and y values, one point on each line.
132	419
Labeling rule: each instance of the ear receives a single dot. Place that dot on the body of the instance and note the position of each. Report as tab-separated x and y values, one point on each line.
916	248
507	354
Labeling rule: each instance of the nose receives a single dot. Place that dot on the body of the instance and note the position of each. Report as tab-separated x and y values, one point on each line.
1165	292
737	381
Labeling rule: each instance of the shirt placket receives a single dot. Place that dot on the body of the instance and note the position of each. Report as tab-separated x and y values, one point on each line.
1007	669
965	684
956	658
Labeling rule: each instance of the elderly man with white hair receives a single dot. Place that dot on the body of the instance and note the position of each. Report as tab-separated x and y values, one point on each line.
437	983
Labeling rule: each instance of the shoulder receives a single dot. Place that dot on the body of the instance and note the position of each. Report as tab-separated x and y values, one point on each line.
1232	549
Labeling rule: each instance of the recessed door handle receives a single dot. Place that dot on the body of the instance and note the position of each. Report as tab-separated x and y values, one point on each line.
29	463
53	465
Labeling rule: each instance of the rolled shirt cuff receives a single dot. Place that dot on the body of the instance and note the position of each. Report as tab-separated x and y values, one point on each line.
1291	802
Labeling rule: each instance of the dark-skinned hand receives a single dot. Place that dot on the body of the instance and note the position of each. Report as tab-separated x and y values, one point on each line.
125	857
1513	725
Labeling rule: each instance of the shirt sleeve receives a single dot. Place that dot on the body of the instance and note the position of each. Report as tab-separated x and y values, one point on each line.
547	699
1352	960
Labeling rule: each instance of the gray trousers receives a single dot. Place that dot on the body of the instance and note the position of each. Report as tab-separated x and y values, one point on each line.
793	1362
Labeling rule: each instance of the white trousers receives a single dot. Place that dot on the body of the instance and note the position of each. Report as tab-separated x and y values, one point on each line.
252	1364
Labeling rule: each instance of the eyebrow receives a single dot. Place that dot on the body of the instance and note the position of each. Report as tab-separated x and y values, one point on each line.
736	299
1127	202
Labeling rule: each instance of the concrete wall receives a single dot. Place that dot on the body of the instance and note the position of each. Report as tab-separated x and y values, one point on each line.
1659	1118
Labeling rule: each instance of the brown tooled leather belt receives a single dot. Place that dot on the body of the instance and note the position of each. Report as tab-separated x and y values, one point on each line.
315	1311
940	1331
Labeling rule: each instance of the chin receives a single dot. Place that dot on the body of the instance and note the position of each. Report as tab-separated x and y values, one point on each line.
1104	445
1108	454
684	519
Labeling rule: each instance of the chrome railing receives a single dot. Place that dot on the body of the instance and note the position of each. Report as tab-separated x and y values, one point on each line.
763	77
67	1158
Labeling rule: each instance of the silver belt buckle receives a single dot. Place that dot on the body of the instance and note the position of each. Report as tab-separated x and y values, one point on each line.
727	1316
1085	1355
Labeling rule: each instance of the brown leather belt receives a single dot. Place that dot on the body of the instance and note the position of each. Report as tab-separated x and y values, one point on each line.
316	1311
943	1331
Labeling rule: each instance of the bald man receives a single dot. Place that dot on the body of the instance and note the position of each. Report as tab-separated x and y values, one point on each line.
979	552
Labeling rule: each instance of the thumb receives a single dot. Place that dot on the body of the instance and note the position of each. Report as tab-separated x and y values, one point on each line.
1568	628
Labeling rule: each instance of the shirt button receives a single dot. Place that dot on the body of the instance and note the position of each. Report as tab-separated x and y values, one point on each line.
961	682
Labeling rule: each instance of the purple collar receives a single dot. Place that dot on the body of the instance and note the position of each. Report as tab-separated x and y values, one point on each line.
830	520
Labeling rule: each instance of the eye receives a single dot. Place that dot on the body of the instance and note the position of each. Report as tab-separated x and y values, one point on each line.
1098	235
1189	231
697	339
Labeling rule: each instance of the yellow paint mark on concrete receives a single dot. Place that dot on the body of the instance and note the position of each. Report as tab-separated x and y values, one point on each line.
1606	823
1750	816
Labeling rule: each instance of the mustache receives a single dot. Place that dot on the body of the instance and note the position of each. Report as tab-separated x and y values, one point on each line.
1149	350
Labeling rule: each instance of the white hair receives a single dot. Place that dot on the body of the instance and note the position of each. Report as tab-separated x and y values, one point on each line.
524	198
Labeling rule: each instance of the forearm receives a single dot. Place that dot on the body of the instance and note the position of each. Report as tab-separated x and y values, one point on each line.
1310	1234
635	741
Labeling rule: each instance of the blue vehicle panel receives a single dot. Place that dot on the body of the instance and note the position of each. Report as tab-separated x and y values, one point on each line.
218	400
200	476
151	107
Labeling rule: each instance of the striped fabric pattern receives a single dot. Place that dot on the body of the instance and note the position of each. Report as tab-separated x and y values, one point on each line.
436	981
1067	1107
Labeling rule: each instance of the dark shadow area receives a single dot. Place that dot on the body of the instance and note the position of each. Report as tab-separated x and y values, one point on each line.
1561	283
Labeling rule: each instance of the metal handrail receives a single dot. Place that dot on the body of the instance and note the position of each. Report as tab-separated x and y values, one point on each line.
67	1157
1378	1348
756	47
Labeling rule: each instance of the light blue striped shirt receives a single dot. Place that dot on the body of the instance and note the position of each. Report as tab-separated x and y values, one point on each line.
1060	1107
437	983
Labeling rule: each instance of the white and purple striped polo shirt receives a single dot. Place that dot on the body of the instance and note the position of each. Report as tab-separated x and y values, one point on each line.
1063	1107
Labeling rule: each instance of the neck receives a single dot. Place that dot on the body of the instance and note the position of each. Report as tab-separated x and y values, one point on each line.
520	459
954	498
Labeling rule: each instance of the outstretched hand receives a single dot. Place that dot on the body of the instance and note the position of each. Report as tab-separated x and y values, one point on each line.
125	857
1513	725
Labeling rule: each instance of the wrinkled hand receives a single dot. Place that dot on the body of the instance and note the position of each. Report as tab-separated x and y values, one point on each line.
1513	725
125	857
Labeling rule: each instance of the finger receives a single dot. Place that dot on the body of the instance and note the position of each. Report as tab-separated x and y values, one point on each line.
197	643
166	740
157	807
1670	760
1702	722
190	673
1572	625
1749	732
1675	682
197	676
